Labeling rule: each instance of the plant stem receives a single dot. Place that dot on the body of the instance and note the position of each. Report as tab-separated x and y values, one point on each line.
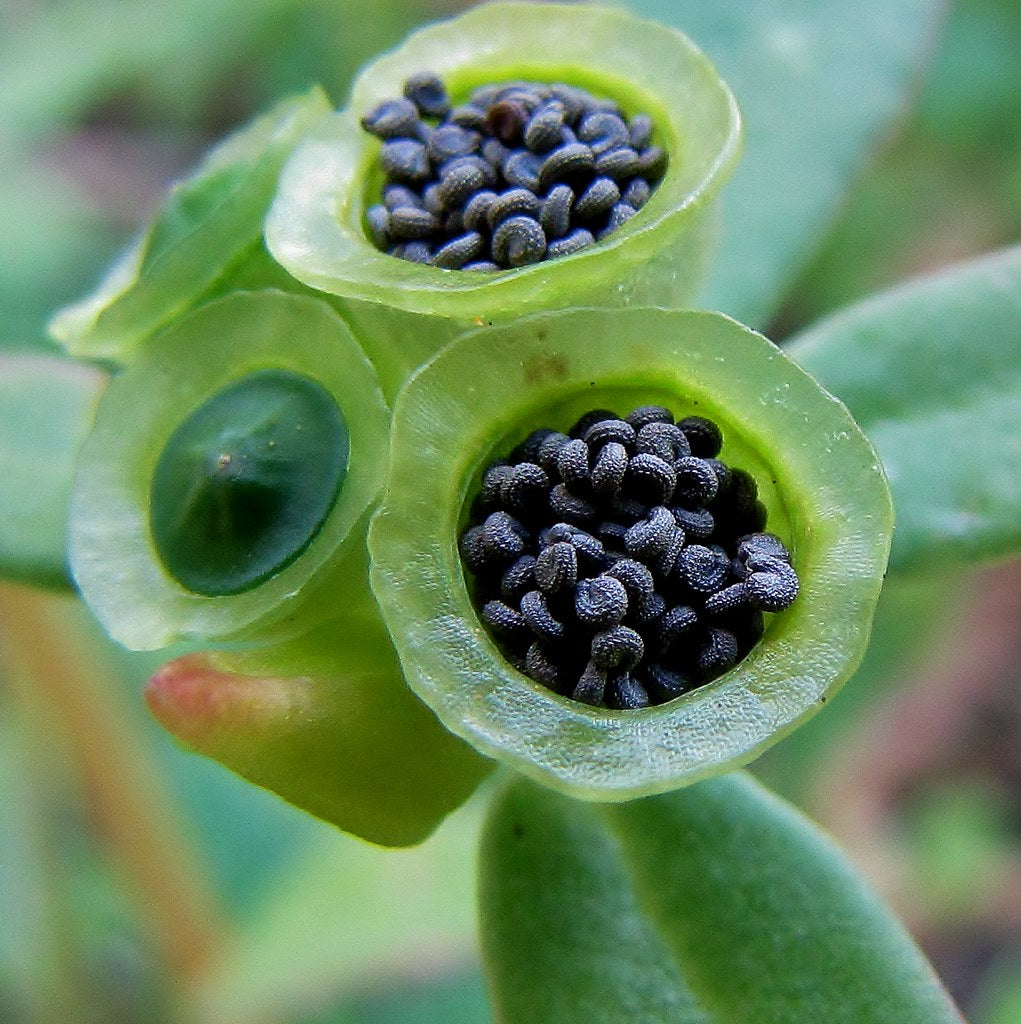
55	675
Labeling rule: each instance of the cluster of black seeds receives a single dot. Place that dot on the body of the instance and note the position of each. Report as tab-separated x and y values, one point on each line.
623	564
520	173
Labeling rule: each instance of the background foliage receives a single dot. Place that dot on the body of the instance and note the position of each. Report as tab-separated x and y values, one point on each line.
138	882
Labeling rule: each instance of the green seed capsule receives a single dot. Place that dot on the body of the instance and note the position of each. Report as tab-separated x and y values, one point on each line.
245	482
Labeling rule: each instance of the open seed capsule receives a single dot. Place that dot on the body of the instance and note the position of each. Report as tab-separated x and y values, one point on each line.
206	236
226	468
319	229
818	479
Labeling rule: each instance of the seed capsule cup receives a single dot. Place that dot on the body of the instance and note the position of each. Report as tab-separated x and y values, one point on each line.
403	312
205	238
817	474
137	521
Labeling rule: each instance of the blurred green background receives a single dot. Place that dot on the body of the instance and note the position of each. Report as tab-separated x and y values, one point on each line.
141	883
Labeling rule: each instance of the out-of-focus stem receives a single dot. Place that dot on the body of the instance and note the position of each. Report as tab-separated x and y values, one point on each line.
54	675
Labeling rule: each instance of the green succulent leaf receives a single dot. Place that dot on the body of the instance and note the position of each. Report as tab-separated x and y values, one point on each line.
209	226
46	408
932	371
794	68
718	904
186	454
817	474
316	226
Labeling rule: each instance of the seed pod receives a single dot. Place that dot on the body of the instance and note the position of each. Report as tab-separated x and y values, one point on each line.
828	499
659	255
274	434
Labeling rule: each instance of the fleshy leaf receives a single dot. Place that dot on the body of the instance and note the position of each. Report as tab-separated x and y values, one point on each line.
817	475
316	226
793	69
932	371
718	904
209	225
46	407
326	722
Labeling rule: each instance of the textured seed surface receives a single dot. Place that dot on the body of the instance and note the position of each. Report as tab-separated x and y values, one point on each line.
619	562
575	164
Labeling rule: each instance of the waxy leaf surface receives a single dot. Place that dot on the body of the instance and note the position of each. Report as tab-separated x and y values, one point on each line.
932	373
818	85
717	904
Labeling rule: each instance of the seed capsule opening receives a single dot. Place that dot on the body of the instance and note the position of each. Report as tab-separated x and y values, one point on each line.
557	168
584	565
246	481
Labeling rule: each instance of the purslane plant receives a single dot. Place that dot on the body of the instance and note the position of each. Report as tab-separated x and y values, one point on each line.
303	429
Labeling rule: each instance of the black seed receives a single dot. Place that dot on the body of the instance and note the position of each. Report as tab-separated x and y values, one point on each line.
589	548
488	499
396	196
573	99
611	429
666	560
663	684
758	544
540	621
609	469
476	210
524	491
473	551
408	222
428	93
651	537
391	119
506	119
704	569
600	602
459	178
495	153
565	163
556	568
626	693
663	440
772	590
573	464
703	435
450	140
521	168
717	652
378	219
543	667
611	534
549	451
652	163
674	623
504	620
635	577
727	600
619	164
636	193
468	115
417	251
651	479
510	203
555	217
482	265
568	506
619	215
698	524
405	160
648	611
640	130
582	424
603	131
543	129
591	686
518	579
518	241
503	536
529	449
459	251
619	647
575	241
597	199
696	482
